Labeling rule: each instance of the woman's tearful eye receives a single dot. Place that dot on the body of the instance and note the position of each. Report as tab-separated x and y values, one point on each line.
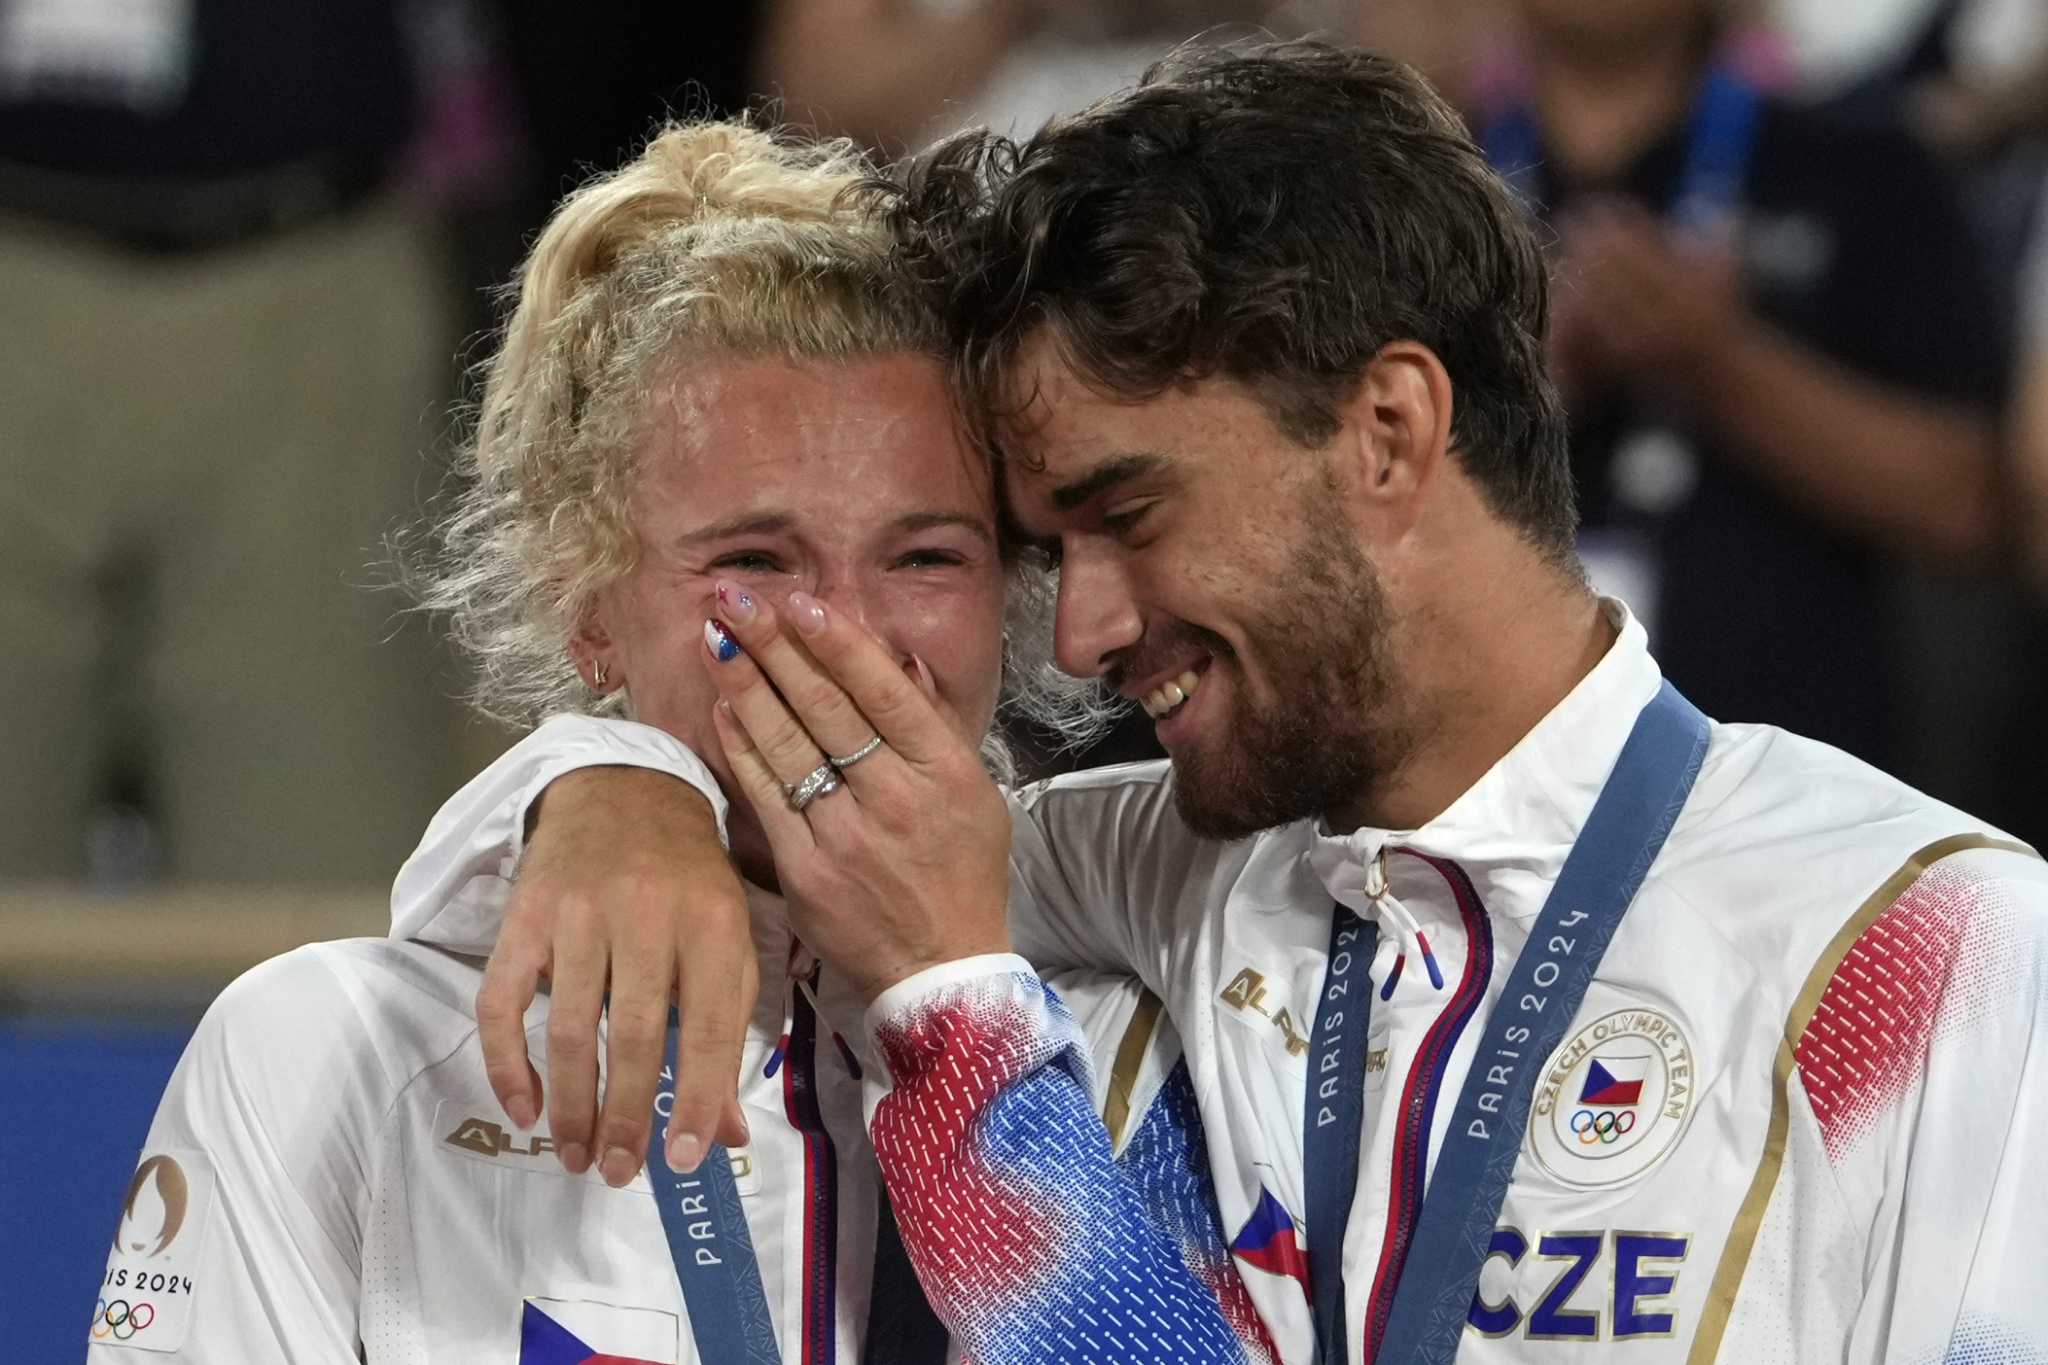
749	562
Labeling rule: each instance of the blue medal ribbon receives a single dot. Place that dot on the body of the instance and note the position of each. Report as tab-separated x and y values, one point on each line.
709	1243
1336	1102
1621	838
721	1279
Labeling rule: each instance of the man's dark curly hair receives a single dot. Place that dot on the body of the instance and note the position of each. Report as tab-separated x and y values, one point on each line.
1274	215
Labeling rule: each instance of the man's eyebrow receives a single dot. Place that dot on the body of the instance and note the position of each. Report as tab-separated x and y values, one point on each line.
1105	476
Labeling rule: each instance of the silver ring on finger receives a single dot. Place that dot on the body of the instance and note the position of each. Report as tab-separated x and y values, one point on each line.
874	743
822	780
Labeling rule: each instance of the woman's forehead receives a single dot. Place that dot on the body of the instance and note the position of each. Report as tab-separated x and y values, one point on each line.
869	436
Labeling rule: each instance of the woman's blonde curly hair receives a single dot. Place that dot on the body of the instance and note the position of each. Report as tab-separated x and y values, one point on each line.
719	238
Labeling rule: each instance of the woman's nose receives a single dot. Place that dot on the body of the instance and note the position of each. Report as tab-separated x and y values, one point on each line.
847	595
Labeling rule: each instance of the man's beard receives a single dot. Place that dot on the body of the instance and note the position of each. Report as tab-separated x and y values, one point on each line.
1330	737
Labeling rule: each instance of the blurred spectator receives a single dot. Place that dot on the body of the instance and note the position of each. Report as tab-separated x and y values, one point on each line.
586	85
1773	332
1069	55
1835	46
223	346
1970	77
1453	42
1972	70
2030	432
881	71
592	82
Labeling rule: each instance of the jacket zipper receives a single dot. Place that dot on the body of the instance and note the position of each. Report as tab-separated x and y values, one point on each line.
1418	1105
821	1183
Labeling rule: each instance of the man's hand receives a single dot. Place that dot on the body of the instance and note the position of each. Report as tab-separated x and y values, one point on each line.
905	865
625	885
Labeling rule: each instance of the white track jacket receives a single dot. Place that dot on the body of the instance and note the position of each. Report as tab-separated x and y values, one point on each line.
1801	1115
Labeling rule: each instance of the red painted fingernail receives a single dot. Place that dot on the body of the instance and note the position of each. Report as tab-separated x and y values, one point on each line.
808	611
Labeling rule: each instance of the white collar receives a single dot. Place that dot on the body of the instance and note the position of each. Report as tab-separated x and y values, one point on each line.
1512	828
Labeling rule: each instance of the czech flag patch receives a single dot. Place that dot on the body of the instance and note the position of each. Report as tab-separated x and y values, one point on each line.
1268	1241
1615	1082
625	1336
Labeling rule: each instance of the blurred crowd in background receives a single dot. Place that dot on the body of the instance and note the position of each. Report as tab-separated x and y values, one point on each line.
1801	320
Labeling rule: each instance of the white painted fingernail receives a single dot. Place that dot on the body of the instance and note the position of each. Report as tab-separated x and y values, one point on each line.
618	1167
685	1152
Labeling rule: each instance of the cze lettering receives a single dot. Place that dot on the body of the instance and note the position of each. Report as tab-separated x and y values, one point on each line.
1550	1319
1645	1275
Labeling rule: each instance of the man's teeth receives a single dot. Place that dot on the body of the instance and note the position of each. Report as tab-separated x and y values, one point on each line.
1165	699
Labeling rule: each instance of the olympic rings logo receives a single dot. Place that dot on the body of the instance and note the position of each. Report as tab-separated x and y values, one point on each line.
121	1320
1608	1126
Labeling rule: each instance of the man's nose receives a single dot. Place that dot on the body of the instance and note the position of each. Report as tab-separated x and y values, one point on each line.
1097	615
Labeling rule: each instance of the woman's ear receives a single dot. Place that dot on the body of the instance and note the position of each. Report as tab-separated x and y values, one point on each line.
594	654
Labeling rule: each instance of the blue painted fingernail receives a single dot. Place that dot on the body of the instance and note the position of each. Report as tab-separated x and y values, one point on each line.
723	647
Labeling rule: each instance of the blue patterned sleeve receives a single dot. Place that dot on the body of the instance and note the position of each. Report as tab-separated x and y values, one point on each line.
1033	1242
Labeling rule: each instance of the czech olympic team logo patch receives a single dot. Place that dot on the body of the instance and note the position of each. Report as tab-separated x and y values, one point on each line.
1614	1099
